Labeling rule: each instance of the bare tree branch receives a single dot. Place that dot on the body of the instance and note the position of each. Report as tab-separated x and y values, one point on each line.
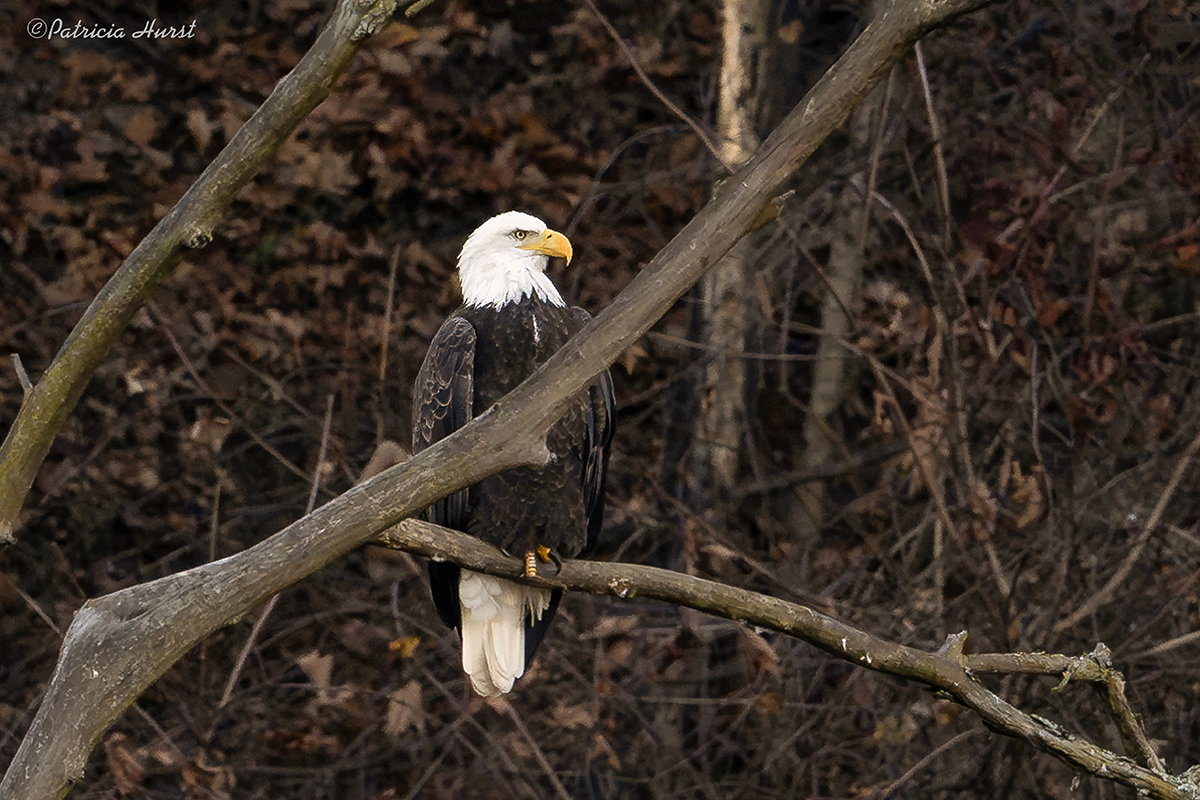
948	670
1106	592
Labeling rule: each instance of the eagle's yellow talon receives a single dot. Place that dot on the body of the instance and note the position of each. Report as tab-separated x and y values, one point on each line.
548	555
531	558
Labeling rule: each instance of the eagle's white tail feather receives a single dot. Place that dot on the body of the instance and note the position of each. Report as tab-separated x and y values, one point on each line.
493	629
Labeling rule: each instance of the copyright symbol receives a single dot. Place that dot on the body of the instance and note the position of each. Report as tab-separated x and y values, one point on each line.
36	28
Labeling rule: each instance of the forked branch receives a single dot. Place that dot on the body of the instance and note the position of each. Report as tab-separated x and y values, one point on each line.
948	670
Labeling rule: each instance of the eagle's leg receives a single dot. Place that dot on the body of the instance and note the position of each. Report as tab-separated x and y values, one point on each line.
545	554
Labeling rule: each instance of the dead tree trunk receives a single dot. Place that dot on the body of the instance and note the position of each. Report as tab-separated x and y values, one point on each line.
721	418
843	275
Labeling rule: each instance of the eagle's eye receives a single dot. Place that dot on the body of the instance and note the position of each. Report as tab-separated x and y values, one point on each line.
519	235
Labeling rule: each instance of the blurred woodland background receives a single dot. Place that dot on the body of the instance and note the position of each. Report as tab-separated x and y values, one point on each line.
1034	341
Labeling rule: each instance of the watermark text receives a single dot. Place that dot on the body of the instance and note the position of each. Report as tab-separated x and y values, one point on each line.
39	28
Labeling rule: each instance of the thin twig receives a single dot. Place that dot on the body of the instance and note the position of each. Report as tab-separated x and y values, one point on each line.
37	609
1003	584
417	7
924	762
1107	591
511	712
873	168
1165	647
244	655
1002	581
324	451
667	338
214	522
225	408
662	98
166	739
919	463
466	716
939	157
393	265
594	187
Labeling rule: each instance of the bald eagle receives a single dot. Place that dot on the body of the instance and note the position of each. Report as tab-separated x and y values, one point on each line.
512	319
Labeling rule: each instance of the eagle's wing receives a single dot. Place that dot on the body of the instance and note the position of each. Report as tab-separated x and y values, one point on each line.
443	399
600	413
442	402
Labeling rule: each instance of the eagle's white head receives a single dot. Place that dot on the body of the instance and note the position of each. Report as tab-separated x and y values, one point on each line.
505	259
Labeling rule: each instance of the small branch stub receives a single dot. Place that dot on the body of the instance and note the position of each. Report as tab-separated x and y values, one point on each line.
622	588
418	7
22	375
953	647
197	238
374	17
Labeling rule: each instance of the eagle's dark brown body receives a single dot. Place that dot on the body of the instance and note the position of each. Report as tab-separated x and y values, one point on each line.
479	355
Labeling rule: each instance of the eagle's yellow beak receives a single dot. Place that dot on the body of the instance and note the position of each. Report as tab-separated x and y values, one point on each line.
551	243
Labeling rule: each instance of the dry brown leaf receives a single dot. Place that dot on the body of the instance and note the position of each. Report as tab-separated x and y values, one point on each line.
142	126
634	356
319	669
762	656
208	430
929	443
1027	495
334	174
405	646
88	169
769	703
575	716
894	730
790	32
126	768
84	64
137	88
1050	313
616	655
405	710
324	169
1187	259
203	782
602	749
984	509
536	132
612	626
200	127
292	324
387	454
396	34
